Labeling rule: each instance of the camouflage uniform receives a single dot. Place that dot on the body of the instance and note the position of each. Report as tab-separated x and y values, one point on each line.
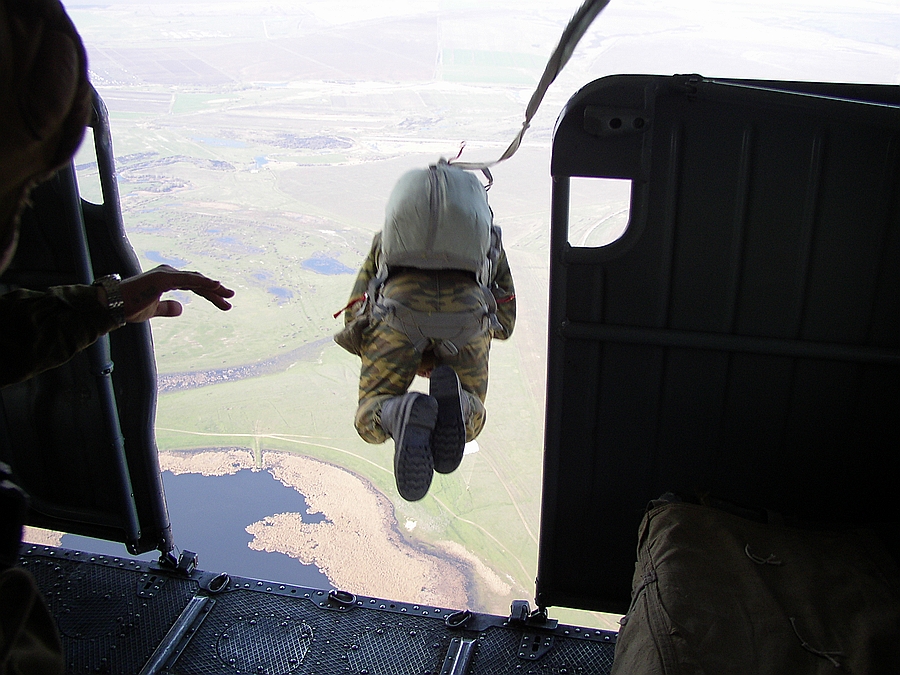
390	361
39	331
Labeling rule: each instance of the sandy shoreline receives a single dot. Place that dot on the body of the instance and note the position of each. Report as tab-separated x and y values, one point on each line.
357	545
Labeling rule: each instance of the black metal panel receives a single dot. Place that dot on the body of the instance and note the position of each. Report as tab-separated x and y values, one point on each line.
119	616
79	439
742	338
111	612
262	627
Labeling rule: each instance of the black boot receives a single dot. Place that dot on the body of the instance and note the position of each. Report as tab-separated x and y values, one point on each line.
449	437
410	419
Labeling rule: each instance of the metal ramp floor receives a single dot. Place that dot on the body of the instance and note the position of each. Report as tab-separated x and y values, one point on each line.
119	615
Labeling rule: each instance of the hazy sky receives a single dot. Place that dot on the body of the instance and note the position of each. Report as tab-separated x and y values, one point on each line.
855	40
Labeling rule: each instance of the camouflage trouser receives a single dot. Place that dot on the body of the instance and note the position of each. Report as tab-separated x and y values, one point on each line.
390	360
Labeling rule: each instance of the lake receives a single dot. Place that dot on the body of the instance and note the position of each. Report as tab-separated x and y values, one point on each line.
208	516
160	259
323	265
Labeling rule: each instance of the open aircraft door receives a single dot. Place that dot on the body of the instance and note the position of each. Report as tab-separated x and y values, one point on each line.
80	440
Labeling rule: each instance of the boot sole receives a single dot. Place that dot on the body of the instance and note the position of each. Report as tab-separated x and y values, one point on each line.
413	462
448	440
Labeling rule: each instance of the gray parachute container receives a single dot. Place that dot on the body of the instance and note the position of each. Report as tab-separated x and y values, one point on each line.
438	218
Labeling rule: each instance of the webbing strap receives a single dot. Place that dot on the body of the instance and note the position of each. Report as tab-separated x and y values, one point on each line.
448	330
573	32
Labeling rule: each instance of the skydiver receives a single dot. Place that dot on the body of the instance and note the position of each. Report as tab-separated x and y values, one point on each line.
435	289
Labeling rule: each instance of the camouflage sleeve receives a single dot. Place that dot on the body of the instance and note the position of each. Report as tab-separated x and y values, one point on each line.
505	292
41	330
364	276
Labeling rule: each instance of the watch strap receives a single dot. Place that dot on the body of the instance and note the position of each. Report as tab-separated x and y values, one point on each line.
111	284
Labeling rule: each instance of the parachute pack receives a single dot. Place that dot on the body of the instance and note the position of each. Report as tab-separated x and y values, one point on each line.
438	218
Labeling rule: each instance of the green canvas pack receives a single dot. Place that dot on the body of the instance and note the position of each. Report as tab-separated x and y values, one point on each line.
718	594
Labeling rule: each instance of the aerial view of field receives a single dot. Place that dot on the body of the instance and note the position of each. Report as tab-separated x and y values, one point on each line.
258	143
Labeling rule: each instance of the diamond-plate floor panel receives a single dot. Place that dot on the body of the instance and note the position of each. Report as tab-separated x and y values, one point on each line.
119	615
111	612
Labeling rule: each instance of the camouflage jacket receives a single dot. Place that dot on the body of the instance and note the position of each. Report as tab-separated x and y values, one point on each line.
41	330
501	286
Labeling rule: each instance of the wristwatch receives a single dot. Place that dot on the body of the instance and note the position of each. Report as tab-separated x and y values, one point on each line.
114	302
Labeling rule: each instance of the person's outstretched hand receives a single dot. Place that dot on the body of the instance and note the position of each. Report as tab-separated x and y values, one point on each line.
141	293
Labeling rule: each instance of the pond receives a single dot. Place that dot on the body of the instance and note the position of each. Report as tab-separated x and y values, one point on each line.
323	265
160	259
208	516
